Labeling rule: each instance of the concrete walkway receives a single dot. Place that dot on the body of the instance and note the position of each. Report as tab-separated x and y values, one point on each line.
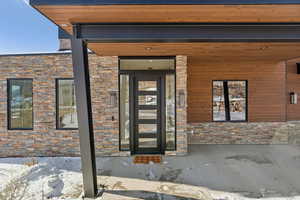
250	170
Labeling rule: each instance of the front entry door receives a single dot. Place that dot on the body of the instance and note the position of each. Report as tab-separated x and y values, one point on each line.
147	127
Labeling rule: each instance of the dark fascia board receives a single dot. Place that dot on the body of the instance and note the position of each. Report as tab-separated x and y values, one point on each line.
161	2
40	54
188	32
35	54
62	34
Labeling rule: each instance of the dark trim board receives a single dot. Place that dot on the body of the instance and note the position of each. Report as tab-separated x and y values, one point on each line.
187	32
62	34
226	100
160	2
37	54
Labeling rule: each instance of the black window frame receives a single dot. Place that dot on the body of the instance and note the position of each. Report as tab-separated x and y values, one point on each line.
226	102
9	104
132	72
57	105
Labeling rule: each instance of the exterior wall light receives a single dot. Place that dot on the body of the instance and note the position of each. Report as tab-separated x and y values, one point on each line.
293	98
181	98
298	68
113	98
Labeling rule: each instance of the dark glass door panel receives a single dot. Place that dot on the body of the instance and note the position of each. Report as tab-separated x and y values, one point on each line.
147	143
147	119
147	114
147	85
148	100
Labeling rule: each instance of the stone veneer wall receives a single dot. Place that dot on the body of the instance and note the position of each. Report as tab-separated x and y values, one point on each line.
45	140
104	80
181	110
245	133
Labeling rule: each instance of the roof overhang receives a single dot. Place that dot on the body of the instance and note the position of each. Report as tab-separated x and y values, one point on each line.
162	2
205	41
67	13
207	29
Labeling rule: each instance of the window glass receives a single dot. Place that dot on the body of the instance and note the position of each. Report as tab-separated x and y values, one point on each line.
147	114
124	112
229	100
170	112
66	113
218	101
148	100
147	86
147	64
237	100
147	128
147	142
20	104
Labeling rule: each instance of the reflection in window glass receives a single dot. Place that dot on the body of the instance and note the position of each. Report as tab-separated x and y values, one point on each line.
218	101
147	114
66	113
147	142
124	112
229	99
148	100
237	100
170	112
147	128
147	85
20	104
147	64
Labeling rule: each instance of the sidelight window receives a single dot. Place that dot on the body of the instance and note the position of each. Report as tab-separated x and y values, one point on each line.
230	101
124	113
170	112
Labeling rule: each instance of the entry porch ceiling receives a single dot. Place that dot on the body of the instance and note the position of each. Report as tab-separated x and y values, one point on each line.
206	51
65	15
68	12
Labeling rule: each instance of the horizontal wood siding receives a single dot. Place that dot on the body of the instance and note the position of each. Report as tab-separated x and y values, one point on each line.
275	51
266	88
293	85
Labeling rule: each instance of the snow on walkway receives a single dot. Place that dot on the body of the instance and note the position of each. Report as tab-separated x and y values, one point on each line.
60	178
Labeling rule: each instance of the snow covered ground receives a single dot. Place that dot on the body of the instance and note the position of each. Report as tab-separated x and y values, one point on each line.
60	178
40	178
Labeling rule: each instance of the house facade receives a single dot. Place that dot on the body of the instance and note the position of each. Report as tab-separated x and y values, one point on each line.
260	103
229	92
163	75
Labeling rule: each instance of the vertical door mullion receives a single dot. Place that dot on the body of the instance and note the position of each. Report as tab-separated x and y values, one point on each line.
163	114
132	114
136	116
158	114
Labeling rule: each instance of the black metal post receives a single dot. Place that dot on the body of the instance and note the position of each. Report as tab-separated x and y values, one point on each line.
84	112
